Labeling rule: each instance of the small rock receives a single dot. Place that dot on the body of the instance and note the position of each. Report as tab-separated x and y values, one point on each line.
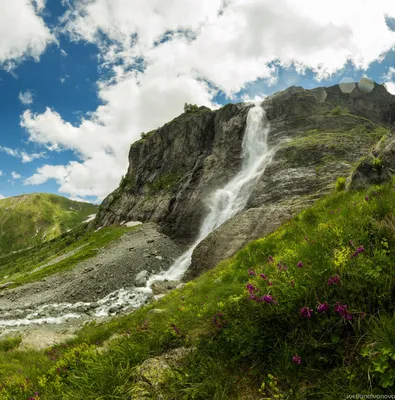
6	285
162	287
180	286
114	309
141	278
150	241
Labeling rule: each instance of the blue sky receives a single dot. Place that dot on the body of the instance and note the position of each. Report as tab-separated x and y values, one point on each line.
89	77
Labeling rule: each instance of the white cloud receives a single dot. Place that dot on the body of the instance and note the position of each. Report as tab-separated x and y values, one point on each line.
15	175
1	173
389	80
23	32
26	98
390	86
389	76
2	197
90	178
39	4
23	155
228	49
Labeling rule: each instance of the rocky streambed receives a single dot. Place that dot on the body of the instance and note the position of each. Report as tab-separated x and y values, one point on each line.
112	282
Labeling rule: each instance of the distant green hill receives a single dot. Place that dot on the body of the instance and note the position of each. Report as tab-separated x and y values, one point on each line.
31	219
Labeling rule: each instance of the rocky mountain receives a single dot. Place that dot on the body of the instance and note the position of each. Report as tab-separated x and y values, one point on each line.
317	136
31	219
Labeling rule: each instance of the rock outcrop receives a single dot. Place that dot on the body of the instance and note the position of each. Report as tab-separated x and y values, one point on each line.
174	169
318	136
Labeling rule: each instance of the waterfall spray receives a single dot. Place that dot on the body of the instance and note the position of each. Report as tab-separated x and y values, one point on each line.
229	200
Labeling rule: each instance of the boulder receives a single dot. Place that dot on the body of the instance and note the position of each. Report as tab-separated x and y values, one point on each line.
162	287
141	278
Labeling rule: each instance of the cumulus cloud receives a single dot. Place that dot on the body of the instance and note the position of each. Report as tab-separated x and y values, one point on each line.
389	80
2	197
390	86
26	98
187	52
81	179
23	32
1	173
23	155
39	4
15	175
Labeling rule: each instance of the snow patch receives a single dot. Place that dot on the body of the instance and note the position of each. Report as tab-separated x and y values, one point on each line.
89	219
130	224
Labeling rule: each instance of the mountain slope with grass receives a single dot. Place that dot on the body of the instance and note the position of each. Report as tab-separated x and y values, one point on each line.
291	298
32	219
316	135
304	313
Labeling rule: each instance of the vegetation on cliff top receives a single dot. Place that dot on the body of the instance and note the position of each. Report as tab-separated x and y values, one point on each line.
29	220
305	313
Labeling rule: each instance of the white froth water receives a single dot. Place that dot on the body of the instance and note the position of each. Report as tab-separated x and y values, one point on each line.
228	201
223	205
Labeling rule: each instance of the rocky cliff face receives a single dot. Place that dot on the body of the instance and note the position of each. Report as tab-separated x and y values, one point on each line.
318	134
174	169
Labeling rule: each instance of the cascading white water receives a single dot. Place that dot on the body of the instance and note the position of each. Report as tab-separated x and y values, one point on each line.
228	201
223	205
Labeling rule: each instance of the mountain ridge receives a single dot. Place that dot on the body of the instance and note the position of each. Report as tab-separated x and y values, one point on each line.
30	219
174	169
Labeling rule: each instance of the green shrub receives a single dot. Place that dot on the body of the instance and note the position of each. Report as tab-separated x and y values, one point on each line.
340	183
9	344
339	111
127	182
190	108
377	164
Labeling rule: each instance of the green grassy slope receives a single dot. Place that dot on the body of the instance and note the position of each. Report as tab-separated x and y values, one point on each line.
77	245
305	313
29	220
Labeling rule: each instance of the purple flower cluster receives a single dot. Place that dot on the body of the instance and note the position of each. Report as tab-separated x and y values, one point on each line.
270	259
323	307
299	264
251	272
263	276
251	288
282	267
334	280
267	298
176	330
359	250
342	309
306	312
296	359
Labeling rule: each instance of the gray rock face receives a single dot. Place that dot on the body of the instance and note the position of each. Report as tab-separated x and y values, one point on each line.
377	167
173	170
318	135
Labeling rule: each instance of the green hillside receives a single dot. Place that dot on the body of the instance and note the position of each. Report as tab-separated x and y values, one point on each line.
304	313
31	219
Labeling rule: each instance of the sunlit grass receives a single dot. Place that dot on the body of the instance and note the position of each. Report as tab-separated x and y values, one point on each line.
338	253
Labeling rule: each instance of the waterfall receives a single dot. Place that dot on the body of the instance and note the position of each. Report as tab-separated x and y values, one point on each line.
223	205
229	200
